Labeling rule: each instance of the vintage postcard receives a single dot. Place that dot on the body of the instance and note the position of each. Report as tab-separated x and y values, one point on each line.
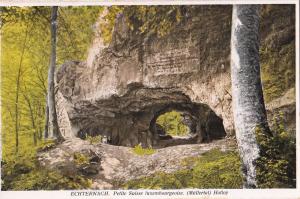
149	99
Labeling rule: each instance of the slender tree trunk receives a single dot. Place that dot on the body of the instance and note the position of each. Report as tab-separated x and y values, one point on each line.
46	129
39	113
53	124
32	119
17	110
247	95
18	84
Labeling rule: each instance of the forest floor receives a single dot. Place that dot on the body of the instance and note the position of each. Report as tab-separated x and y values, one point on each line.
118	164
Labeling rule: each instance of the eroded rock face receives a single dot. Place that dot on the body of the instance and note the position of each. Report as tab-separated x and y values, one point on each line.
135	79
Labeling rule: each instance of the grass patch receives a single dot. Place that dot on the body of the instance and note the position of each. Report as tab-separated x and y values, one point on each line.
214	169
139	150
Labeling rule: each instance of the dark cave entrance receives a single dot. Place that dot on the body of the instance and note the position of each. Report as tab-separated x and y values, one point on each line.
185	124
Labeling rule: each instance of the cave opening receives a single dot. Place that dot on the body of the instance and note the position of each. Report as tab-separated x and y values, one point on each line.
157	126
172	123
176	125
174	128
185	124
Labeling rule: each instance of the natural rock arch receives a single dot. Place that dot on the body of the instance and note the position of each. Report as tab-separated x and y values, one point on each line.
125	86
122	90
129	120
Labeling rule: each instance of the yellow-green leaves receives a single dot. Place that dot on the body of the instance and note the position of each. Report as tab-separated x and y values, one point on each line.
172	123
158	20
94	139
276	166
81	159
108	24
25	43
215	169
139	150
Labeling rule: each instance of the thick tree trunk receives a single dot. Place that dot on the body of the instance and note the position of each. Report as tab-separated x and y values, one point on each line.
54	131
247	95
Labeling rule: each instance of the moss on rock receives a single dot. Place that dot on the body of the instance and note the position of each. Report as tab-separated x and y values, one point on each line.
215	169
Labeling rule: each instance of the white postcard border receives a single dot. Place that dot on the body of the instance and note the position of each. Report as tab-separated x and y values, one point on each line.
206	193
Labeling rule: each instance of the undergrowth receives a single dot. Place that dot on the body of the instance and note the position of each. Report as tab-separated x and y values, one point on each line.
214	169
139	150
23	172
276	166
94	139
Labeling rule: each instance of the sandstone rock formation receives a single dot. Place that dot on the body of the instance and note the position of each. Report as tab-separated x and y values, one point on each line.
137	78
119	164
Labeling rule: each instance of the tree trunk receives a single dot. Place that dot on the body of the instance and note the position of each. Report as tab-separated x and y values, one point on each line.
53	124
247	95
46	129
18	84
32	119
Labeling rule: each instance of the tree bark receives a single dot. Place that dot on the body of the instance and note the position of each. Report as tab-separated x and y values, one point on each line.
46	129
31	118
18	84
247	95
54	131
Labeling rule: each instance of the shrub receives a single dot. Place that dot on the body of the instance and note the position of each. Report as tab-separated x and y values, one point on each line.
48	180
46	145
276	166
81	159
25	174
139	150
94	139
215	169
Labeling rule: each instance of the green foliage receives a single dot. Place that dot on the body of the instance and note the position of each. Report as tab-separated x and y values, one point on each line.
26	48
139	150
81	159
156	19
46	180
25	43
75	31
25	174
277	69
215	169
172	123
144	20
93	139
46	145
276	166
22	172
110	19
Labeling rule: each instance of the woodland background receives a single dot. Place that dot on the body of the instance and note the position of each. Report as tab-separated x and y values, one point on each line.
25	56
